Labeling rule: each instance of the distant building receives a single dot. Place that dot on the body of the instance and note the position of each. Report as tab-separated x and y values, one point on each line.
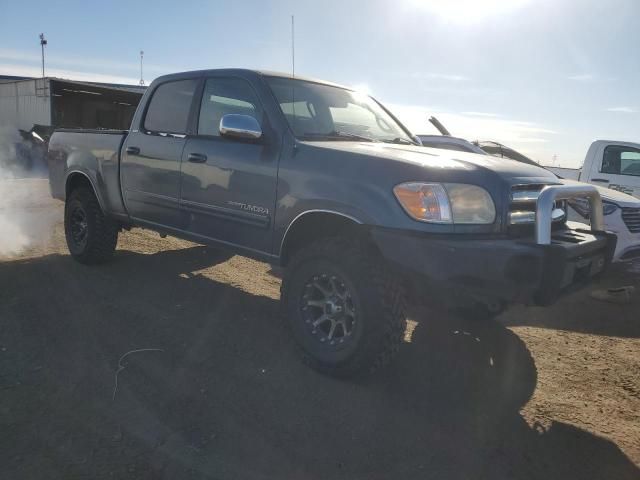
56	103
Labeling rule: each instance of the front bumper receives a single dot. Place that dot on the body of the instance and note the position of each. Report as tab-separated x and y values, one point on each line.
628	246
505	270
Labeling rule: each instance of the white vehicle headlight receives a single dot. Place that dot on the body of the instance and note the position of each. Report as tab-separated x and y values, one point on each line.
608	208
456	203
581	205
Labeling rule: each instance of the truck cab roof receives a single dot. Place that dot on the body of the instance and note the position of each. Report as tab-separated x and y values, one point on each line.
243	72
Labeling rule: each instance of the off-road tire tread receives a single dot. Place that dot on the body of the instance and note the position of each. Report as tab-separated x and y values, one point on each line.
103	237
386	331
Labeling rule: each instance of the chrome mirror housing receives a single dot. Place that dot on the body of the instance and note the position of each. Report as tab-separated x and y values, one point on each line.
240	126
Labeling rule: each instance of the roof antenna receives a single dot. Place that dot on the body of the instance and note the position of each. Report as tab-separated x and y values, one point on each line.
293	70
293	46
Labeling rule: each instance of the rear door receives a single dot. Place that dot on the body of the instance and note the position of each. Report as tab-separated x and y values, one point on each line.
150	168
617	167
229	184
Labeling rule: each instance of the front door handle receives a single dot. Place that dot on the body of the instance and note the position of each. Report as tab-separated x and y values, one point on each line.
600	180
133	150
197	158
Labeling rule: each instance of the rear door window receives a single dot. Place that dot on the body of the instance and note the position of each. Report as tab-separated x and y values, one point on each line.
168	111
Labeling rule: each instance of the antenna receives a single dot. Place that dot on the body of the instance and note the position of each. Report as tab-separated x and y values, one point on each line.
293	46
43	42
293	70
141	77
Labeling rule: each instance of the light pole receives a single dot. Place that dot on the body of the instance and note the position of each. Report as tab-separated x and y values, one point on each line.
141	77
43	42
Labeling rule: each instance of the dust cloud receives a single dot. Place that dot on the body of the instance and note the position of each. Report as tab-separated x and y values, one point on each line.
27	213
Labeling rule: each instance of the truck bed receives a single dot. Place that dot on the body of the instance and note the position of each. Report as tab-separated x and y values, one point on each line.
93	154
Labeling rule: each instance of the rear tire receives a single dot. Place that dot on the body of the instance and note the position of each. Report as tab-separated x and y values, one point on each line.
91	236
345	308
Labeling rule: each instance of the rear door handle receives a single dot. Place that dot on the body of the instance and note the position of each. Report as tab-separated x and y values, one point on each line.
133	150
197	158
600	180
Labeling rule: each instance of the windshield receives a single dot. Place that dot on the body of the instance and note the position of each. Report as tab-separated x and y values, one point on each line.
322	112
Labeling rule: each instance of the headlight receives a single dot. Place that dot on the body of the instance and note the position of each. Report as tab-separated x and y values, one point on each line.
427	202
609	208
446	202
470	204
581	205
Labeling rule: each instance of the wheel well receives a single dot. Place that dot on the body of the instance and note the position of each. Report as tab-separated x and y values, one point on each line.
76	180
313	226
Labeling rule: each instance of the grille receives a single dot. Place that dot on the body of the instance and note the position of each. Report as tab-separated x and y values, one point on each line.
631	217
523	205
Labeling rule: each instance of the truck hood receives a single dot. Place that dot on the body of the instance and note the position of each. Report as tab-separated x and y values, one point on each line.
440	159
613	196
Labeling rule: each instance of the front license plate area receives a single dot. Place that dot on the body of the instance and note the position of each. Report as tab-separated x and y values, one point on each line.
583	269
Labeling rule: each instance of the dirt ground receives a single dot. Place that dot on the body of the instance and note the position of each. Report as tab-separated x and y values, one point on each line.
541	393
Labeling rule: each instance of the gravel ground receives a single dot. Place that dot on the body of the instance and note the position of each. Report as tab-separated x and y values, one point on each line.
542	393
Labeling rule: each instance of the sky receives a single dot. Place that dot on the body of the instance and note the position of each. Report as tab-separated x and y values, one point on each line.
546	77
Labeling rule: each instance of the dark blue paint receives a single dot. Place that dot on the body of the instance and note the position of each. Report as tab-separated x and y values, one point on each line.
246	194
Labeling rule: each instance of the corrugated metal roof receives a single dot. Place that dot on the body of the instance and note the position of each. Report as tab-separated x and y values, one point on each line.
12	78
114	86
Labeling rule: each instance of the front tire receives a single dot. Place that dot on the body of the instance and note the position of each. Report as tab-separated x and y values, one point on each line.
91	236
345	309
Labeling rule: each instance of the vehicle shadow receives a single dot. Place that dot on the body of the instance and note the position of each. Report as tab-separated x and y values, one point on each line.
579	312
226	397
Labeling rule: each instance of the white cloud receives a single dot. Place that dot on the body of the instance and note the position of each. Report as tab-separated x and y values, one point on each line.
591	77
531	140
531	128
585	77
472	126
622	109
468	12
362	88
517	134
75	62
481	114
29	71
451	77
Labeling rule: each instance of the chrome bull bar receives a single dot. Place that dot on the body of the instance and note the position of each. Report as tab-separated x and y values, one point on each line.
551	193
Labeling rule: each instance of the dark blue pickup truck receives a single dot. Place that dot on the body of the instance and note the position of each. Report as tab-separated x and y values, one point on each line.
325	182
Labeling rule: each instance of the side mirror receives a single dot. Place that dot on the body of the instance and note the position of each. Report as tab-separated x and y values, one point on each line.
240	126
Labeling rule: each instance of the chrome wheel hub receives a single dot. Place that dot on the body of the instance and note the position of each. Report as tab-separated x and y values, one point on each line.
79	226
328	310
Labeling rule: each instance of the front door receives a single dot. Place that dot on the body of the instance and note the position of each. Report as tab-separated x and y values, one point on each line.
619	169
229	184
150	168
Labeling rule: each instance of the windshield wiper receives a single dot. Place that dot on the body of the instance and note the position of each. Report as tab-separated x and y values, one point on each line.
338	135
400	140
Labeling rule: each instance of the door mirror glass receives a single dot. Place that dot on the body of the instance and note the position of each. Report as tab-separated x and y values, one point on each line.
240	126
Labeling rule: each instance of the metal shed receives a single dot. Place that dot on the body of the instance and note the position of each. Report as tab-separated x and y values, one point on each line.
55	102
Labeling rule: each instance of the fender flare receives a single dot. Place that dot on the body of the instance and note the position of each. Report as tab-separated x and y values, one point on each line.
74	173
315	210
